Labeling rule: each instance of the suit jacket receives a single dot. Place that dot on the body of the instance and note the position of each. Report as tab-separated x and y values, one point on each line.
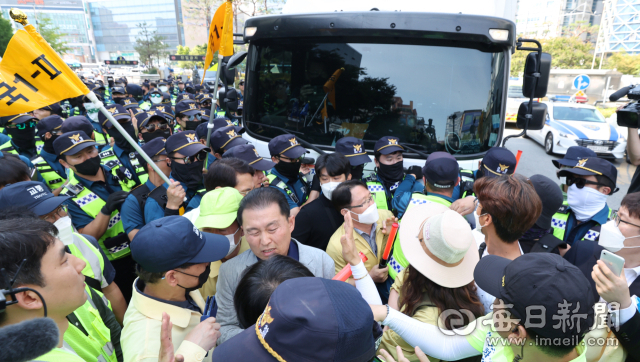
629	333
316	260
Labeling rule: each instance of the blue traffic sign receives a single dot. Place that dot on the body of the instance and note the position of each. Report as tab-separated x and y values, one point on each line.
581	82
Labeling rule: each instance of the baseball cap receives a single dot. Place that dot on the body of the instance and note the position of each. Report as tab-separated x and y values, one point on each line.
307	319
203	97
574	153
204	114
592	167
447	236
286	144
16	119
185	142
219	208
118	90
71	143
146	117
250	155
155	147
117	111
387	145
31	194
172	241
185	97
76	123
543	280
498	161
227	138
165	109
129	103
551	197
353	149
441	169
187	108
48	124
54	108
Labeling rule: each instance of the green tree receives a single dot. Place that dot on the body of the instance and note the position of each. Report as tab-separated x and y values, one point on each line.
52	34
566	53
624	63
149	44
197	50
6	32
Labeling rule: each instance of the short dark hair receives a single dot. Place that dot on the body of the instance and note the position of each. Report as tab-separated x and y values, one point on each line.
259	281
262	198
153	84
341	196
12	170
632	203
240	166
151	278
604	180
550	349
219	174
143	163
512	202
335	164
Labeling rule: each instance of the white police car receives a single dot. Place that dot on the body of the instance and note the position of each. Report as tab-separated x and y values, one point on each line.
573	124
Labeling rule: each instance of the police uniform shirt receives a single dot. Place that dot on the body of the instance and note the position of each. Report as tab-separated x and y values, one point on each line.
456	190
153	211
123	156
52	160
296	186
575	231
132	216
402	193
80	218
4	139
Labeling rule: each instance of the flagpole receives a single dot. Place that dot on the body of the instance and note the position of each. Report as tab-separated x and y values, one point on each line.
215	98
318	110
92	97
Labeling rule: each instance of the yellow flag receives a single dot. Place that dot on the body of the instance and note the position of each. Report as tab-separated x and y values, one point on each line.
32	75
215	34
226	48
330	86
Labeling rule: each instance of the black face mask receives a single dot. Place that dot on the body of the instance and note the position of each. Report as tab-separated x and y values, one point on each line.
202	278
48	144
119	101
157	134
190	174
391	173
89	167
357	171
23	138
289	170
119	138
191	125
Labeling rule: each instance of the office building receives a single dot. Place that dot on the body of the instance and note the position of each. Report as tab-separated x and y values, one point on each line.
553	18
619	31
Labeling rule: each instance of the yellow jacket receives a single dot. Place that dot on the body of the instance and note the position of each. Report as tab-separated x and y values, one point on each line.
334	249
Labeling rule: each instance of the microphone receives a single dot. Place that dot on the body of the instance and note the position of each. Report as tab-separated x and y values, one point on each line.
620	93
28	340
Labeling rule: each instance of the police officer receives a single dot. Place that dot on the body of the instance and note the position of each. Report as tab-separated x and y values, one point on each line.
122	149
167	111
188	115
186	157
202	130
571	157
155	97
97	194
91	113
440	177
260	165
163	86
22	130
180	90
391	188
81	123
285	176
54	174
151	125
591	181
353	149
185	96
47	111
133	209
204	100
118	94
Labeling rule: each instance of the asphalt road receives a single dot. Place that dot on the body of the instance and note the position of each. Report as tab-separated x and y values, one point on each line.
534	160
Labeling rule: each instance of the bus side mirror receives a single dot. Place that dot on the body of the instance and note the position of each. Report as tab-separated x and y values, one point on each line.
231	99
529	87
536	118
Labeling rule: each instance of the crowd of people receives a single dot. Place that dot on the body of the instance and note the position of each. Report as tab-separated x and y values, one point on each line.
235	259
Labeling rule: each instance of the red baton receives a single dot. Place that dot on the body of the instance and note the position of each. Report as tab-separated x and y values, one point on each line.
345	273
387	249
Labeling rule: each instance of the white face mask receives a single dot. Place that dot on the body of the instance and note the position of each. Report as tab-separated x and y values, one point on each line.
478	224
163	89
232	241
585	202
156	100
369	216
611	237
92	111
327	189
65	230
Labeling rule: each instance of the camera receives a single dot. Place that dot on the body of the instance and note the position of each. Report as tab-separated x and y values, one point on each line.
628	115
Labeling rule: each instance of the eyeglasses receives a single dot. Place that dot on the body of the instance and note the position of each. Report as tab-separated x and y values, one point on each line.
200	156
25	125
155	95
160	160
152	127
581	182
371	198
195	117
618	220
292	160
59	212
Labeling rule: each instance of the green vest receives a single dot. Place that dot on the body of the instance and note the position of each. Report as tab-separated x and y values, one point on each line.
8	147
177	128
397	261
64	354
50	176
101	140
109	159
281	185
559	224
96	346
379	194
82	249
39	144
145	105
91	204
466	183
141	173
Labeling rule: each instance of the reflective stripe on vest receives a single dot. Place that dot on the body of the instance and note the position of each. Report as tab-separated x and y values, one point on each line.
8	147
50	176
91	204
64	354
39	144
108	158
283	186
101	140
397	261
97	345
559	224
141	173
84	250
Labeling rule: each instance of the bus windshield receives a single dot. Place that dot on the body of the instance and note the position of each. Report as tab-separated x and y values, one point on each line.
433	98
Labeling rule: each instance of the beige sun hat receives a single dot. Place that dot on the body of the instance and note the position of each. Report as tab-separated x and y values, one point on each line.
439	244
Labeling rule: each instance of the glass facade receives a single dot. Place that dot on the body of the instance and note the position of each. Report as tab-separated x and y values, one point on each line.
115	24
